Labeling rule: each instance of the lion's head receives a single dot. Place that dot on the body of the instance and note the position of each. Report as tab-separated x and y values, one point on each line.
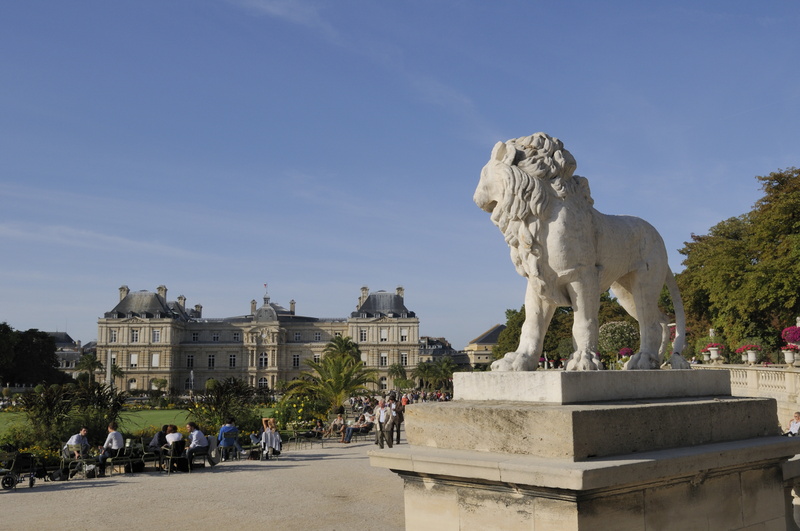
523	176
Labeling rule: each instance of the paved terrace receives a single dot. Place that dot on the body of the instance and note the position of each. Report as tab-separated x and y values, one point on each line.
331	488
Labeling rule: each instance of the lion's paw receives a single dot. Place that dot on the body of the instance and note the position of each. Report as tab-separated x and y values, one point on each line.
583	361
641	362
515	361
679	362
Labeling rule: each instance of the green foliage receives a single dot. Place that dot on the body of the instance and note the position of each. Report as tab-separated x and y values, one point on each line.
508	339
332	380
742	277
342	346
224	399
617	335
28	357
437	373
295	411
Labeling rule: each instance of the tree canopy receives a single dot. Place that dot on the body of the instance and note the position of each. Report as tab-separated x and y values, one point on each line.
742	277
28	357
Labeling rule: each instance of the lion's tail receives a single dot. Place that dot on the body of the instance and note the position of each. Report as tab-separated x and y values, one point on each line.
680	315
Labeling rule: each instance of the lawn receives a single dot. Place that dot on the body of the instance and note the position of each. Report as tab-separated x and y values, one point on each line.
130	421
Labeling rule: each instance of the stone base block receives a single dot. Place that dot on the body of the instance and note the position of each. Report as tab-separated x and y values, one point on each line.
581	387
579	432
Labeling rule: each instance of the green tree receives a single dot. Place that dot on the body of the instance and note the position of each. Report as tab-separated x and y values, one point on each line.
90	364
742	277
616	335
28	357
397	371
224	399
340	345
436	374
333	379
47	409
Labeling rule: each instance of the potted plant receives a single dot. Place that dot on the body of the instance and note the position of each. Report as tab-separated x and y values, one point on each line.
791	334
789	353
712	351
752	351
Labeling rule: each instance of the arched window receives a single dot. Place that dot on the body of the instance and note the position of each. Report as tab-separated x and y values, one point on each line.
262	383
132	383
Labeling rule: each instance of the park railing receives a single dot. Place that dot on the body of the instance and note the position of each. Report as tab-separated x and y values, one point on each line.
780	382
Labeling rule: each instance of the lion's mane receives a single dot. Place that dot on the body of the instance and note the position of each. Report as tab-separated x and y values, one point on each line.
541	172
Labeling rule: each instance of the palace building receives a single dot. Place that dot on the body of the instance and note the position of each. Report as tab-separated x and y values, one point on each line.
151	338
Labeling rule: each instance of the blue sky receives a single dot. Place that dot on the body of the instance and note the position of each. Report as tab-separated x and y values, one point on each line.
213	146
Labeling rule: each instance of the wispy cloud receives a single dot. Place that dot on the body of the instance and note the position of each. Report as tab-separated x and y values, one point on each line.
65	236
307	14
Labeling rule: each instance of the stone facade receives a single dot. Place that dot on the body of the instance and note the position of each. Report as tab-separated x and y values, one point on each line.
151	338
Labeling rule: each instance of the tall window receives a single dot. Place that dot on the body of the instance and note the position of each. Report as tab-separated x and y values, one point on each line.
317	336
187	384
134	361
404	334
134	336
212	361
362	335
383	383
156	336
232	361
384	335
297	336
384	359
215	336
316	357
404	358
190	361
155	359
195	336
262	360
295	360
112	336
236	336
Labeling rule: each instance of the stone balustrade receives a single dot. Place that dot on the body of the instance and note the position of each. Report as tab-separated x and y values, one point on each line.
778	381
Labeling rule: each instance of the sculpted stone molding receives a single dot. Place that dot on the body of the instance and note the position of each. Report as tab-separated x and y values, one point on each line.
571	253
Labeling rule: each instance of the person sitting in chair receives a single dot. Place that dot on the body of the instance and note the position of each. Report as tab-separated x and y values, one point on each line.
198	444
113	443
361	426
794	425
316	432
336	427
230	427
79	439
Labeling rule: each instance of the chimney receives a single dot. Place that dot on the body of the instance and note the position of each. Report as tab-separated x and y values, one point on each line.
364	295
198	310
182	301
162	290
291	306
123	292
253	307
400	291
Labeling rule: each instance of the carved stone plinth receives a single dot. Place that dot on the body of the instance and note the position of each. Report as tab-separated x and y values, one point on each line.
649	461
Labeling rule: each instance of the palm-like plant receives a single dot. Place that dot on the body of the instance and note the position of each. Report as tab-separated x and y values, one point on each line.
47	409
333	380
436	374
90	364
340	345
397	372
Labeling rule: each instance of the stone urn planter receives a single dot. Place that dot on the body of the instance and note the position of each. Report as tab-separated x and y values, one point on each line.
706	356
788	357
752	357
714	354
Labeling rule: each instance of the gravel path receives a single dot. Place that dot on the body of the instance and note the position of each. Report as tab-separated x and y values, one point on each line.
331	488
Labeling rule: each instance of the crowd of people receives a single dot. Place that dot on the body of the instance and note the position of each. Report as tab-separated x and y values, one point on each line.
384	416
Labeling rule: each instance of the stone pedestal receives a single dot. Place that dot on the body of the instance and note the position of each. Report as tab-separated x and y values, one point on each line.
552	450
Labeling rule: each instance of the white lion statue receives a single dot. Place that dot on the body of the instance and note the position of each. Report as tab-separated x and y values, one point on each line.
571	253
